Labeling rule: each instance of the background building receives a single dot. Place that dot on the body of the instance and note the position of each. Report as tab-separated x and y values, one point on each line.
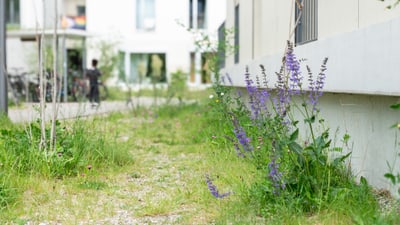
360	38
148	30
145	35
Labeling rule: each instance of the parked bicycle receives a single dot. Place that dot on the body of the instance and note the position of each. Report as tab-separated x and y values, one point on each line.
22	85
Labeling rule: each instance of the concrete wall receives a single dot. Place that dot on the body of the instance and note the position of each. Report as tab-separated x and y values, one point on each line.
361	40
368	120
70	6
31	13
271	22
364	61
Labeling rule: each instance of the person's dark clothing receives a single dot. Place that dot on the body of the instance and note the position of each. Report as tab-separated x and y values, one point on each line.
93	75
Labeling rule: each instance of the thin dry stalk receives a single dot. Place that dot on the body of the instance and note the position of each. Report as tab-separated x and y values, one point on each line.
53	136
42	83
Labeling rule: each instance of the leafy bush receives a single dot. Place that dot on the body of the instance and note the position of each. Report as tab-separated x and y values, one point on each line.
177	86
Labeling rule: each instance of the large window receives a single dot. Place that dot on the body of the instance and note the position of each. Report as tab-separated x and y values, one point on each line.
237	34
201	13
145	15
147	68
205	69
12	12
307	28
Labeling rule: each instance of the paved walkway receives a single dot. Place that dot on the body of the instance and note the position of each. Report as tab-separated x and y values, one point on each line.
30	111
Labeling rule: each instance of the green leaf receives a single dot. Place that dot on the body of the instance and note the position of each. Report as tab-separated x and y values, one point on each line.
346	138
310	120
294	135
395	106
391	177
293	146
337	149
327	144
363	181
341	159
309	148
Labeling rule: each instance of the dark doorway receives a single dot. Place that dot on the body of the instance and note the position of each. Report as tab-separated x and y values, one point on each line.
74	59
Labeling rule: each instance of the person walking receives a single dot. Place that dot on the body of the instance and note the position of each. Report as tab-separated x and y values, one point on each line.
93	74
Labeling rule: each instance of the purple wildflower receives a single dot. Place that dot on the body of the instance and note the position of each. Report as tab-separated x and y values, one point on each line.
223	79
293	66
258	96
243	139
241	135
252	91
236	145
213	189
282	94
317	85
229	79
275	176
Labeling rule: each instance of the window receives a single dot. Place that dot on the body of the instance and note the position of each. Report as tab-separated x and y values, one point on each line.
147	68
307	28
236	38
192	77
121	66
201	13
204	70
145	15
81	10
205	67
12	12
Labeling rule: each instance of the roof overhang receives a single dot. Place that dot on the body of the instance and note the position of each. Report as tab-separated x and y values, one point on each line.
33	34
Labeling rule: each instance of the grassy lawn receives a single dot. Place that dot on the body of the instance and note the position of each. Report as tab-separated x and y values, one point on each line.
149	166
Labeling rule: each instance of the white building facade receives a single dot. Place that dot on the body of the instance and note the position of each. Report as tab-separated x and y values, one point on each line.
147	35
153	33
361	40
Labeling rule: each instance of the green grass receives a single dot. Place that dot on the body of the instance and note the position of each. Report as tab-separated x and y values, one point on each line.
115	93
150	165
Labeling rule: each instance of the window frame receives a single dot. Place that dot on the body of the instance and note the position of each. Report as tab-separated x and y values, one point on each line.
307	27
237	34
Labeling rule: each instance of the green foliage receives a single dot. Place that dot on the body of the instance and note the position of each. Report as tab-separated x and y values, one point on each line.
8	194
173	146
299	169
394	176
108	61
177	85
81	146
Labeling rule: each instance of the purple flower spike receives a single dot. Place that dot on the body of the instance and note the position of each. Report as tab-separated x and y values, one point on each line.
275	176
241	136
293	66
317	85
213	189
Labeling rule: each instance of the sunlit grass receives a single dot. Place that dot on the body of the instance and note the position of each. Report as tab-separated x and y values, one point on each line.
160	159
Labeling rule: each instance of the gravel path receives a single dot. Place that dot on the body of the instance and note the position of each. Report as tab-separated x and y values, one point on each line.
30	111
151	191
